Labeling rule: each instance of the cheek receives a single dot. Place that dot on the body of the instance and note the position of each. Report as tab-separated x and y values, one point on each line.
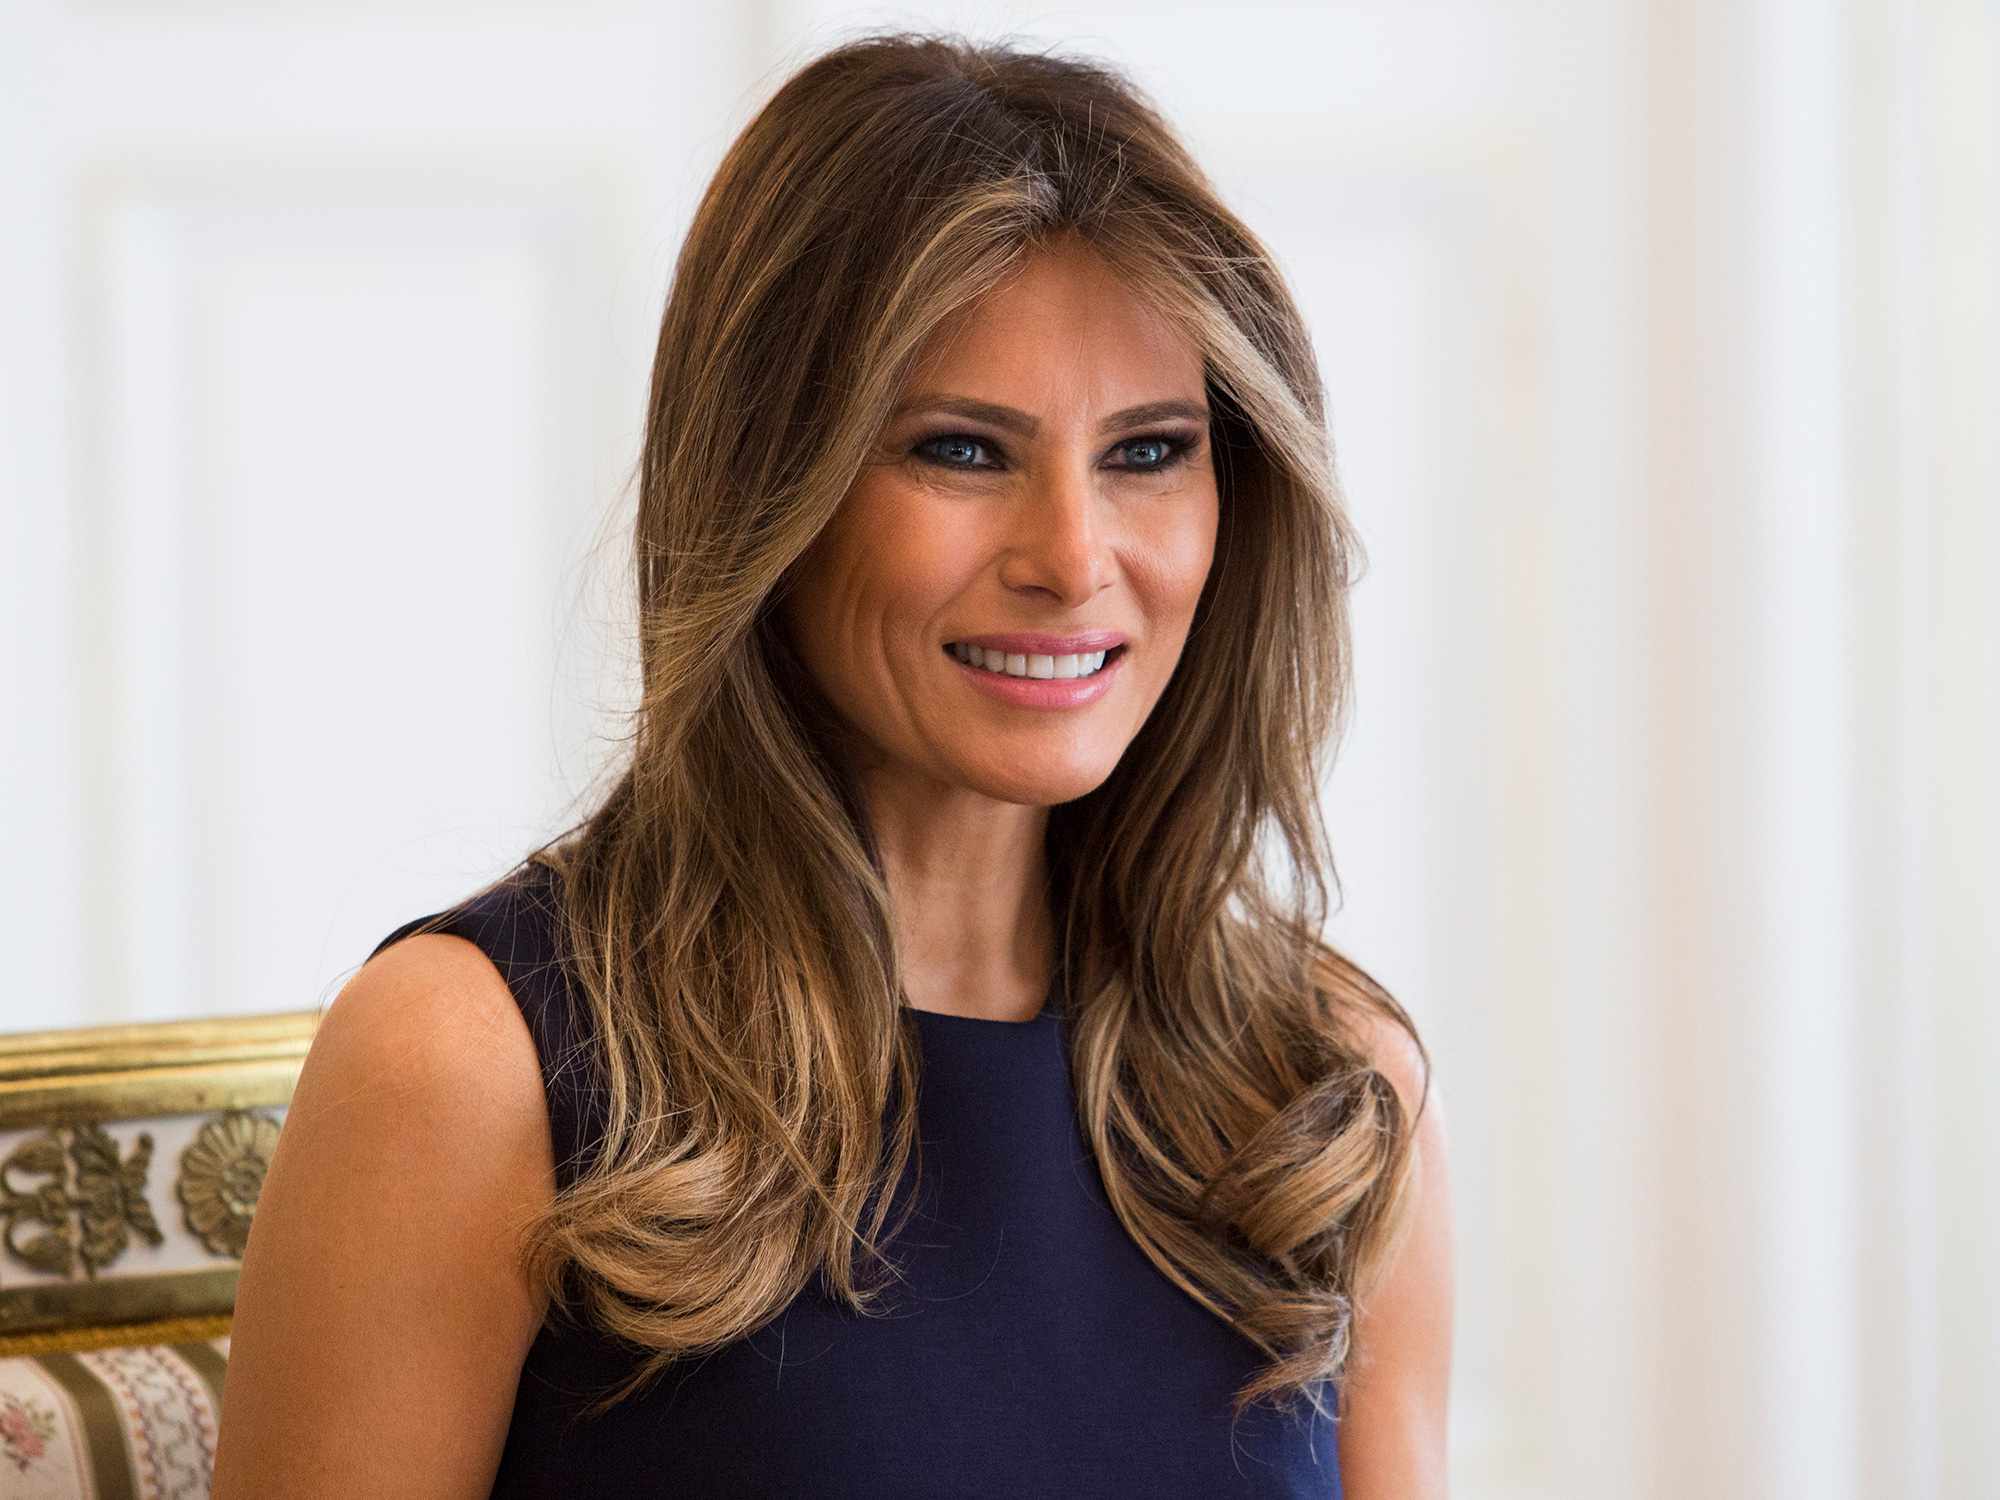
886	563
1177	557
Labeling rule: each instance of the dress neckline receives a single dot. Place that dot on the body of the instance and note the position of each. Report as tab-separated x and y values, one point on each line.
1050	1011
951	1018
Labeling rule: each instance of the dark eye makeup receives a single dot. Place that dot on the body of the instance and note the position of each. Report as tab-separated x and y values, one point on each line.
1173	448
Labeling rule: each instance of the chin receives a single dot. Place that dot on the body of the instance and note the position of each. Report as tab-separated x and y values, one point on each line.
1043	788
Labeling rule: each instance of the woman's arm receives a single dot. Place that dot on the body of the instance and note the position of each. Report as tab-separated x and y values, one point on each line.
1393	1440
381	1318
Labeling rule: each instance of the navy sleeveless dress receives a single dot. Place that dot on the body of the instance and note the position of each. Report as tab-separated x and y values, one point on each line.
1033	1350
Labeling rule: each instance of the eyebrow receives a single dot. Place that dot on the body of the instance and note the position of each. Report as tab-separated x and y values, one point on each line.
1015	420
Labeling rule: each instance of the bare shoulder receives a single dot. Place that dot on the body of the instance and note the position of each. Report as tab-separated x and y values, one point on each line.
1394	1438
381	1290
1393	1052
436	1023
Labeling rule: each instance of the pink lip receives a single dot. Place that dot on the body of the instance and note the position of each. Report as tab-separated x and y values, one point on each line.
1042	692
1028	643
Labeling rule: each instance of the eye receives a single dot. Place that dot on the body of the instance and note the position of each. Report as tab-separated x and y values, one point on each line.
1157	451
945	450
1168	451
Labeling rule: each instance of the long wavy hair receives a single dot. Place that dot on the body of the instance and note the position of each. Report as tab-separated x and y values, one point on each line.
723	903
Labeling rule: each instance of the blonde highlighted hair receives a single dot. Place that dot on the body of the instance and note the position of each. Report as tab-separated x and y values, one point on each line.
723	903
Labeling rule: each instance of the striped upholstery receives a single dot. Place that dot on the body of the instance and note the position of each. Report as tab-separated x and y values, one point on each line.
133	1422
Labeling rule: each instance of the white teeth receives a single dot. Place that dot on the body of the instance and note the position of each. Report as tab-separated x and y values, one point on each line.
1018	664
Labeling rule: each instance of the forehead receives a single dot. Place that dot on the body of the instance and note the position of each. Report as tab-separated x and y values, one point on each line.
1067	330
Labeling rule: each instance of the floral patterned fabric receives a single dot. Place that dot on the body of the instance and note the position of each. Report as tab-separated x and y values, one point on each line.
133	1423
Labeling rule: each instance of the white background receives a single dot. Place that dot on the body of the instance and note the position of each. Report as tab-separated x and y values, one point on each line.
1661	344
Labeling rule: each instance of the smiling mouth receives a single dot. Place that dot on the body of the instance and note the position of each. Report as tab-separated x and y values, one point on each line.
1023	665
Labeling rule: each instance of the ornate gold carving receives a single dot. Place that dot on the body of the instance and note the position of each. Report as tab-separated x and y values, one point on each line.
151	1068
103	1075
185	1330
29	1306
90	1206
221	1175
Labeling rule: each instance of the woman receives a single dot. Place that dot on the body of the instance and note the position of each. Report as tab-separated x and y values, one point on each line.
907	1080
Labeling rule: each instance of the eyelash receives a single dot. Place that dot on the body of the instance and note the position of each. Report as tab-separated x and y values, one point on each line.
1177	450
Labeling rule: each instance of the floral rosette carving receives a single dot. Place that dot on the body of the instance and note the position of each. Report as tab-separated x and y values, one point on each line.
92	1204
222	1173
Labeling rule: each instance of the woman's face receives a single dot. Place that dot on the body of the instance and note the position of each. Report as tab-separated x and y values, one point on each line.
1045	492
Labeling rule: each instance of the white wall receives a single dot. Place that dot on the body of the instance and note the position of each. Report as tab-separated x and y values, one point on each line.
1661	347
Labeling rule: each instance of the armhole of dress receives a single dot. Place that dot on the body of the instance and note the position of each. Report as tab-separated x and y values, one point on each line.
450	921
491	920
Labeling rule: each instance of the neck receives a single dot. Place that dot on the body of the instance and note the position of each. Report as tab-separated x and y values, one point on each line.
968	890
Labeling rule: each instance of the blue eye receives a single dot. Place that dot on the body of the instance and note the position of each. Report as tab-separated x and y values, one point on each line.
1169	451
948	441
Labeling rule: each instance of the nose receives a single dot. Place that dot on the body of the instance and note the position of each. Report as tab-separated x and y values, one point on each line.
1061	544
